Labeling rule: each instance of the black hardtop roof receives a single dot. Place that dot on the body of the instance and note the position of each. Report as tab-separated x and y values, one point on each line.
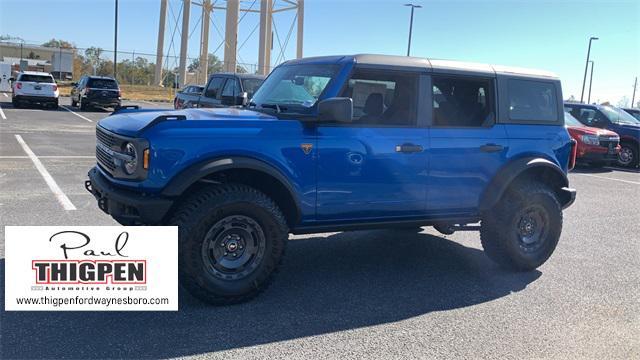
423	63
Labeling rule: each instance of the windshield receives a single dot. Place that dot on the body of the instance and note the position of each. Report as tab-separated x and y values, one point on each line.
294	88
619	116
569	120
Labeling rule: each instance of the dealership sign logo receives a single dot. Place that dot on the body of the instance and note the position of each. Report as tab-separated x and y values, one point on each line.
67	271
91	268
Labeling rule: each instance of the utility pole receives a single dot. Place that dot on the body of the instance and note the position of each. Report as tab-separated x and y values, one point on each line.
115	45
411	25
633	98
590	82
586	66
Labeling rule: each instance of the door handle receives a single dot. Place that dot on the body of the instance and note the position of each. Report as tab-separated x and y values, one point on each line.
409	148
491	148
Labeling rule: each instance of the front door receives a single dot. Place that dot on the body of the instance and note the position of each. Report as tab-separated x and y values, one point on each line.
375	167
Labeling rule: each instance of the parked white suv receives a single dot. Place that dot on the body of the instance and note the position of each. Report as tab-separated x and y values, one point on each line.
34	87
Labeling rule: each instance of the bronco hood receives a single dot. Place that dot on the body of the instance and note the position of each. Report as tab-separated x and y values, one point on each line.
133	122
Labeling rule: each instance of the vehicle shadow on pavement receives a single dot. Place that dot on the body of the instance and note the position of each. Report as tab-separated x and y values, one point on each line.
326	284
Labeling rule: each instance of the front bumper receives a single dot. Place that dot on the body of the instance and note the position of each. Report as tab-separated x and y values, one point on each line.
126	206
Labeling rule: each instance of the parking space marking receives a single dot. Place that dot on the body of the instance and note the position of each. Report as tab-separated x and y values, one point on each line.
2	114
55	189
608	178
51	157
75	113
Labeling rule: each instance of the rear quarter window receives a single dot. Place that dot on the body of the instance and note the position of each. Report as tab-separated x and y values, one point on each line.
532	101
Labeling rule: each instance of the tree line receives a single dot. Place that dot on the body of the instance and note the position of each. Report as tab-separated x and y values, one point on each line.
136	71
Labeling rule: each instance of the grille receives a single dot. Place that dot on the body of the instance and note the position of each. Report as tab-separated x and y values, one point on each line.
605	141
105	138
104	142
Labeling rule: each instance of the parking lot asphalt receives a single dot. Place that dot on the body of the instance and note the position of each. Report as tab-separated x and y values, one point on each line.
368	294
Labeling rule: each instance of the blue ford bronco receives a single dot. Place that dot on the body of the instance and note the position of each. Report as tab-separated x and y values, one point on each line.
343	143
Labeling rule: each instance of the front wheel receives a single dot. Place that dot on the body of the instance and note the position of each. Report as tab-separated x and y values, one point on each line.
628	156
522	231
232	238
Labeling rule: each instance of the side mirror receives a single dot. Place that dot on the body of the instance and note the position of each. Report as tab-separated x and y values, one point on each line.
12	79
336	109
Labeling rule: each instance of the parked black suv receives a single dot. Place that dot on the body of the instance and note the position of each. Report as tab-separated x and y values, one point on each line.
101	91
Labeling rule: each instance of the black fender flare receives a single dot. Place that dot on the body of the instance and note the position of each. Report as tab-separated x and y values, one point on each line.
512	170
195	172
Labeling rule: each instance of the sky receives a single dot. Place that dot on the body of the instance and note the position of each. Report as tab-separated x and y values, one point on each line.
549	35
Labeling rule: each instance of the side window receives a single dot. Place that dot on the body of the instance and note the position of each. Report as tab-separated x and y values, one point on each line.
213	90
231	88
463	102
534	101
383	98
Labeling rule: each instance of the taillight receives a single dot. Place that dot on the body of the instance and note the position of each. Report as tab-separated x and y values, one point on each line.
119	93
18	85
86	90
55	87
574	154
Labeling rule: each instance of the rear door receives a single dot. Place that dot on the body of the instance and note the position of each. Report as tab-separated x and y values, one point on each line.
467	146
211	96
376	166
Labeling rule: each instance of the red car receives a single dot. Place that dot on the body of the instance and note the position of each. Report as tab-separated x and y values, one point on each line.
596	147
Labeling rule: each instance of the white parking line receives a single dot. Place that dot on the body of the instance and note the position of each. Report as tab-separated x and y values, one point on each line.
608	178
75	113
55	189
51	157
2	114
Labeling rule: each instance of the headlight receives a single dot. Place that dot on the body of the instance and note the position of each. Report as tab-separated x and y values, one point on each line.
590	140
131	164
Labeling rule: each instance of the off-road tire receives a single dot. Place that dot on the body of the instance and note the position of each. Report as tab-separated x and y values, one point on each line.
199	213
499	232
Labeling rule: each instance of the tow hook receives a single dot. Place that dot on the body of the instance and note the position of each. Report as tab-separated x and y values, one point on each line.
87	185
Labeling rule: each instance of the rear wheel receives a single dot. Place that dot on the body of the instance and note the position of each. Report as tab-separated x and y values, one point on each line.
232	238
83	106
74	103
16	104
628	156
522	231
